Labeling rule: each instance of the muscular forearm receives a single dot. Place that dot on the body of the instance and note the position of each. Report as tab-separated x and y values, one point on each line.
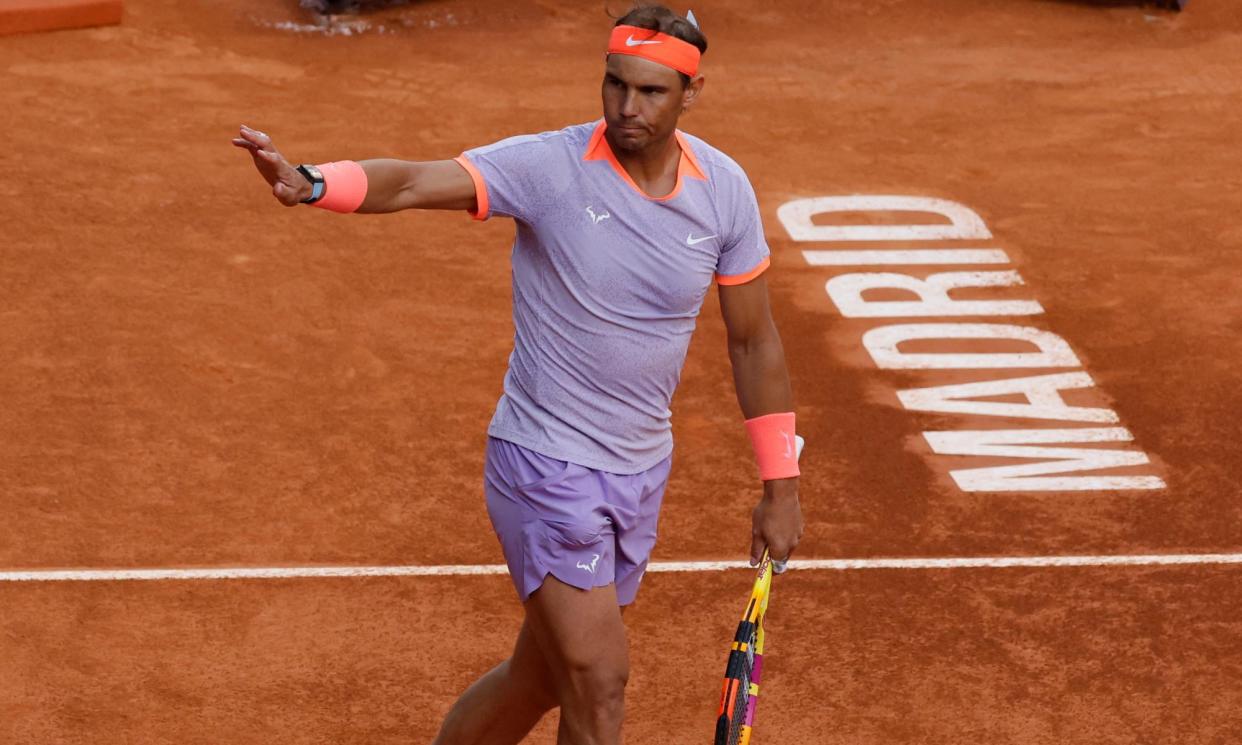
760	375
425	185
388	184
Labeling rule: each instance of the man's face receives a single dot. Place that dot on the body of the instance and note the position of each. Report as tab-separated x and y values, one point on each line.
643	100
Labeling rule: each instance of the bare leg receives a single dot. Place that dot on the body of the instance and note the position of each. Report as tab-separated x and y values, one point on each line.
504	704
583	641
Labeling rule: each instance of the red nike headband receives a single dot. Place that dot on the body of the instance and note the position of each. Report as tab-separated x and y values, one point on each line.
667	50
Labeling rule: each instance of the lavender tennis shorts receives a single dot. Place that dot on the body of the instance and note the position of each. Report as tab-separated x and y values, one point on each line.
585	527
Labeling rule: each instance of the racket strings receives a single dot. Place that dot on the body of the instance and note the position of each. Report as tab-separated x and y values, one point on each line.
739	709
741	701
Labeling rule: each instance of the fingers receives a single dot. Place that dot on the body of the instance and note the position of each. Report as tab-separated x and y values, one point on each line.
254	141
780	558
246	138
255	137
271	164
780	551
779	542
757	545
776	526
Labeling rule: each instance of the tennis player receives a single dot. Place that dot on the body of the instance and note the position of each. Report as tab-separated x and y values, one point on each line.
623	224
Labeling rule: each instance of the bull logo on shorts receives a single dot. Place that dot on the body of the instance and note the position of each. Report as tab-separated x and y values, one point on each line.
589	567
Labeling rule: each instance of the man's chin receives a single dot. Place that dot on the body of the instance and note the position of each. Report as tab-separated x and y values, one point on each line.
631	140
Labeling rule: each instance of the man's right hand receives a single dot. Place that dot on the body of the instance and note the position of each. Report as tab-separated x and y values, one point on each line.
288	186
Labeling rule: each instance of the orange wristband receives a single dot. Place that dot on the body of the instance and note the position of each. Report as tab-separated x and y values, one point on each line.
345	186
776	449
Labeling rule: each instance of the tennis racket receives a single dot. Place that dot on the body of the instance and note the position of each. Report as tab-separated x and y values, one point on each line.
740	693
741	682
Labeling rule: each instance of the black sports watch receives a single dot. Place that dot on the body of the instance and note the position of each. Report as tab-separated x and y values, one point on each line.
315	177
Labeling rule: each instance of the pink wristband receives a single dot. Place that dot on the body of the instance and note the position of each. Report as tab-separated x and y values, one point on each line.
345	186
776	449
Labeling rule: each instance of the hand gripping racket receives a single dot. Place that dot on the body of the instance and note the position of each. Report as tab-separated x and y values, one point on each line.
740	693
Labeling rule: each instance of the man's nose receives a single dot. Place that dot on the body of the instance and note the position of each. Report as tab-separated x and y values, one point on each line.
629	105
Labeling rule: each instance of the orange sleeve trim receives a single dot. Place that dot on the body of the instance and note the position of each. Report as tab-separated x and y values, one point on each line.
741	279
480	188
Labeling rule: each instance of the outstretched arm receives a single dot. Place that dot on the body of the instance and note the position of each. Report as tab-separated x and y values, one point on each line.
392	185
762	383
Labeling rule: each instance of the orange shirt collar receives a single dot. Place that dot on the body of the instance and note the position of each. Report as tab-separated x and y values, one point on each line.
687	167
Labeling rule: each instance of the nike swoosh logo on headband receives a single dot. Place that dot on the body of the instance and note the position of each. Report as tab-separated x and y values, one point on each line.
632	42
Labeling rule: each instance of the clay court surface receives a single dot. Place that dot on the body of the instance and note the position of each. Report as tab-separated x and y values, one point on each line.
196	377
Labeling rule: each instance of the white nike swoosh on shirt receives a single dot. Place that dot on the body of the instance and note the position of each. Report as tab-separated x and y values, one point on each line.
632	42
692	241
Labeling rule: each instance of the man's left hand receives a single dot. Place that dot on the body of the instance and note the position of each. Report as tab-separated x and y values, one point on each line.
777	522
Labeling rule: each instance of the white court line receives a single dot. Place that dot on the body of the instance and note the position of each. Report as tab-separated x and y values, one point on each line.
466	570
907	257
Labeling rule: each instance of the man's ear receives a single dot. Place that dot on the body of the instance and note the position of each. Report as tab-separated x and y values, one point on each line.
691	94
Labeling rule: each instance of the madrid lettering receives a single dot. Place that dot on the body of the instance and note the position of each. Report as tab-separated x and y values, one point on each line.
1061	446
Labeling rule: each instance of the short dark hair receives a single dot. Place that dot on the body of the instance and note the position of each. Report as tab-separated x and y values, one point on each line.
660	18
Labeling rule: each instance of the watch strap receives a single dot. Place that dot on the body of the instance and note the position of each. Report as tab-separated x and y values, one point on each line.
315	177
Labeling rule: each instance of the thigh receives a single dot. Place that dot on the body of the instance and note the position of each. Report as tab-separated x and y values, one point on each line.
577	629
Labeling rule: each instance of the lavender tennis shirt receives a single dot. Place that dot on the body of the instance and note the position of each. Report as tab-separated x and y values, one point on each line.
607	284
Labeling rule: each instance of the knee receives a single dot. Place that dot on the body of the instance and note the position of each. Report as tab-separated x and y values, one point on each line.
600	683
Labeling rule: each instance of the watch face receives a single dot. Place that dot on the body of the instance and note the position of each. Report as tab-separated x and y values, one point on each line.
312	172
